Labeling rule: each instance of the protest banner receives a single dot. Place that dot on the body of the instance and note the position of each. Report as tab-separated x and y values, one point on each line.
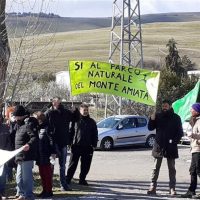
1	169
5	156
137	84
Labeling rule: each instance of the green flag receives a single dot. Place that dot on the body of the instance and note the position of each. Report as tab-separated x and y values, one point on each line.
140	85
182	106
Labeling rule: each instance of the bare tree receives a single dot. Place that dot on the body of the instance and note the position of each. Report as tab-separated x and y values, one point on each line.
32	48
4	49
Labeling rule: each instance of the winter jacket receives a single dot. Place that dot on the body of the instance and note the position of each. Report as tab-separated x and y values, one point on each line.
27	133
12	163
46	146
168	133
58	123
195	138
5	142
84	132
12	130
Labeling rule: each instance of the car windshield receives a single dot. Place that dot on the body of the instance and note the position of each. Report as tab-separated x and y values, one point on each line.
108	122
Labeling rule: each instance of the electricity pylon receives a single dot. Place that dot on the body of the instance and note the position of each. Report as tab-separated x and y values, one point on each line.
126	41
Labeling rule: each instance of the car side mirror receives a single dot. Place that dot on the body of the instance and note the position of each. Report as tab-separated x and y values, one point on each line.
120	127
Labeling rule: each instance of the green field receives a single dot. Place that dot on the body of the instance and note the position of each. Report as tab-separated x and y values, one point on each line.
52	52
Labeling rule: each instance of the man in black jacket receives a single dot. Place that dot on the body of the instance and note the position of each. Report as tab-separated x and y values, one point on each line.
26	137
168	134
83	139
59	119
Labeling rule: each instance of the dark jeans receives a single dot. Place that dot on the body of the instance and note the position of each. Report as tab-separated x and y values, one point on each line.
194	171
3	180
9	174
156	170
86	154
62	158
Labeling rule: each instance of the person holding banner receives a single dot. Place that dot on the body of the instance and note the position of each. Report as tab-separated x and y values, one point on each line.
84	139
4	145
26	137
168	134
195	150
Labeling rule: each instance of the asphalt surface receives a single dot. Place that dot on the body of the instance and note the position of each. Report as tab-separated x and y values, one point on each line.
125	173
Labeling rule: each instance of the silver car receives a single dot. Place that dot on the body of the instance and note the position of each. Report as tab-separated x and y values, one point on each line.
122	130
186	129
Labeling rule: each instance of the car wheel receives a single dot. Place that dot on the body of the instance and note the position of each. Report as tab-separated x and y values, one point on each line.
106	144
150	141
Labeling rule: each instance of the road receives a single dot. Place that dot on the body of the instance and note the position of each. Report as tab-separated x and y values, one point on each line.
125	174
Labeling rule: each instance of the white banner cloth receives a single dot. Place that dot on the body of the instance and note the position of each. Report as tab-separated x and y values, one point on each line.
5	156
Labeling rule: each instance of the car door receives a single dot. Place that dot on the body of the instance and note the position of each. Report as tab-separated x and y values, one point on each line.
126	131
141	129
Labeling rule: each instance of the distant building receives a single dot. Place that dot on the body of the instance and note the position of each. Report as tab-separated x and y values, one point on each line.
63	79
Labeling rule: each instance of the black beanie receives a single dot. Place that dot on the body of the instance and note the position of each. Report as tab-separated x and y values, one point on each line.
19	111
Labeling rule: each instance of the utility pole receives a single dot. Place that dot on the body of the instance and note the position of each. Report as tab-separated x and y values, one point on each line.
125	41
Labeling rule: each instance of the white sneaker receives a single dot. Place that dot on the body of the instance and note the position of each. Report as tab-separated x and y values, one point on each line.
20	198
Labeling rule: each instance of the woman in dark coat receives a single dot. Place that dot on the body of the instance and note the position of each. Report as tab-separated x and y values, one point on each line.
45	151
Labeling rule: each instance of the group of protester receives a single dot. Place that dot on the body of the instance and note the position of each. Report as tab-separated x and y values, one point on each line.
45	136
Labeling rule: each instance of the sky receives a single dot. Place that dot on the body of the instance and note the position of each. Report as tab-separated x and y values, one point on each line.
99	8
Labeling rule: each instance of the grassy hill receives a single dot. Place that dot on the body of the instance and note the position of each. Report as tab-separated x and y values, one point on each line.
156	36
51	52
171	17
18	24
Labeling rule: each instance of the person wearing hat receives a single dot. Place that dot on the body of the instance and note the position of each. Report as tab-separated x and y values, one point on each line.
27	137
195	150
